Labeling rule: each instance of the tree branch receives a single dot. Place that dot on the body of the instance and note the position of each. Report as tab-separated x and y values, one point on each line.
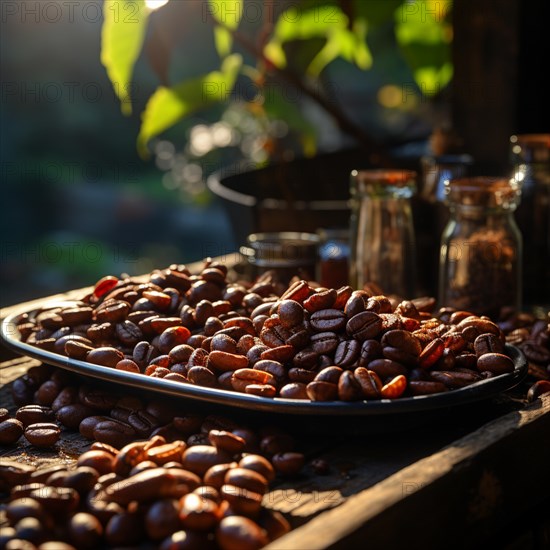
377	154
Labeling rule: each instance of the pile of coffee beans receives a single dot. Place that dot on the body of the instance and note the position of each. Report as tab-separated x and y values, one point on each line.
150	493
532	336
154	475
303	342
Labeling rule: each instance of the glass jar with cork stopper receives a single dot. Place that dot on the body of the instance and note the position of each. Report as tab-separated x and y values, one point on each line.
481	246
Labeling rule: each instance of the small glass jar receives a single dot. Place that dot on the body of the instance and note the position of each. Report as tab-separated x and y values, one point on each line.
481	247
333	269
286	254
531	170
431	214
382	231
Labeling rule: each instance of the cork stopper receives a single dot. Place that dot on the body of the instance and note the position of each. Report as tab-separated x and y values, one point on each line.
530	148
381	182
483	192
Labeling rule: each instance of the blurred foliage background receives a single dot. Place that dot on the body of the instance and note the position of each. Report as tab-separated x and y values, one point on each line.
108	135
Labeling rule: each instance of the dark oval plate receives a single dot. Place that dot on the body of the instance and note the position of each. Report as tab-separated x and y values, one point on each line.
478	391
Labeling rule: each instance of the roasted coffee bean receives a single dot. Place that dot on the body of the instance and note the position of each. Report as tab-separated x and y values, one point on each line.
57	500
431	353
394	388
241	378
306	359
294	390
454	379
540	387
322	391
535	352
11	430
369	382
329	374
128	333
364	326
21	508
328	320
149	485
426	387
66	396
226	441
44	434
198	513
32	414
288	463
47	392
240	532
386	368
215	475
100	461
320	299
142	422
497	363
72	415
85	530
13	473
324	342
202	376
347	353
274	368
87	425
114	433
488	343
98	399
82	479
349	388
199	458
105	356
320	466
171	337
291	313
169	453
224	361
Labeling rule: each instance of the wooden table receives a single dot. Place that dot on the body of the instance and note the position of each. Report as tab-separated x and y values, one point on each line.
460	478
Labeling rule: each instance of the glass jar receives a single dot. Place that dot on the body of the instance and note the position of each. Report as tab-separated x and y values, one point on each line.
333	257
286	254
531	170
481	247
431	214
382	234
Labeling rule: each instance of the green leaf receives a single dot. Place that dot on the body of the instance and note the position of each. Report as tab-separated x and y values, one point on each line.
320	21
273	50
361	53
424	35
296	24
226	12
169	105
432	80
122	36
223	41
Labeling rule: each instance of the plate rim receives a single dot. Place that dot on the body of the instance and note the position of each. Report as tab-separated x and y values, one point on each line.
478	391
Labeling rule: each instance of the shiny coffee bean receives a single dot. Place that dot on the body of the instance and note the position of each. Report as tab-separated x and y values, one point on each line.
45	434
11	430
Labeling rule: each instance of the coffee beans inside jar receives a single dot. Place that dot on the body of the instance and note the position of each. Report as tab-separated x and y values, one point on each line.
259	339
